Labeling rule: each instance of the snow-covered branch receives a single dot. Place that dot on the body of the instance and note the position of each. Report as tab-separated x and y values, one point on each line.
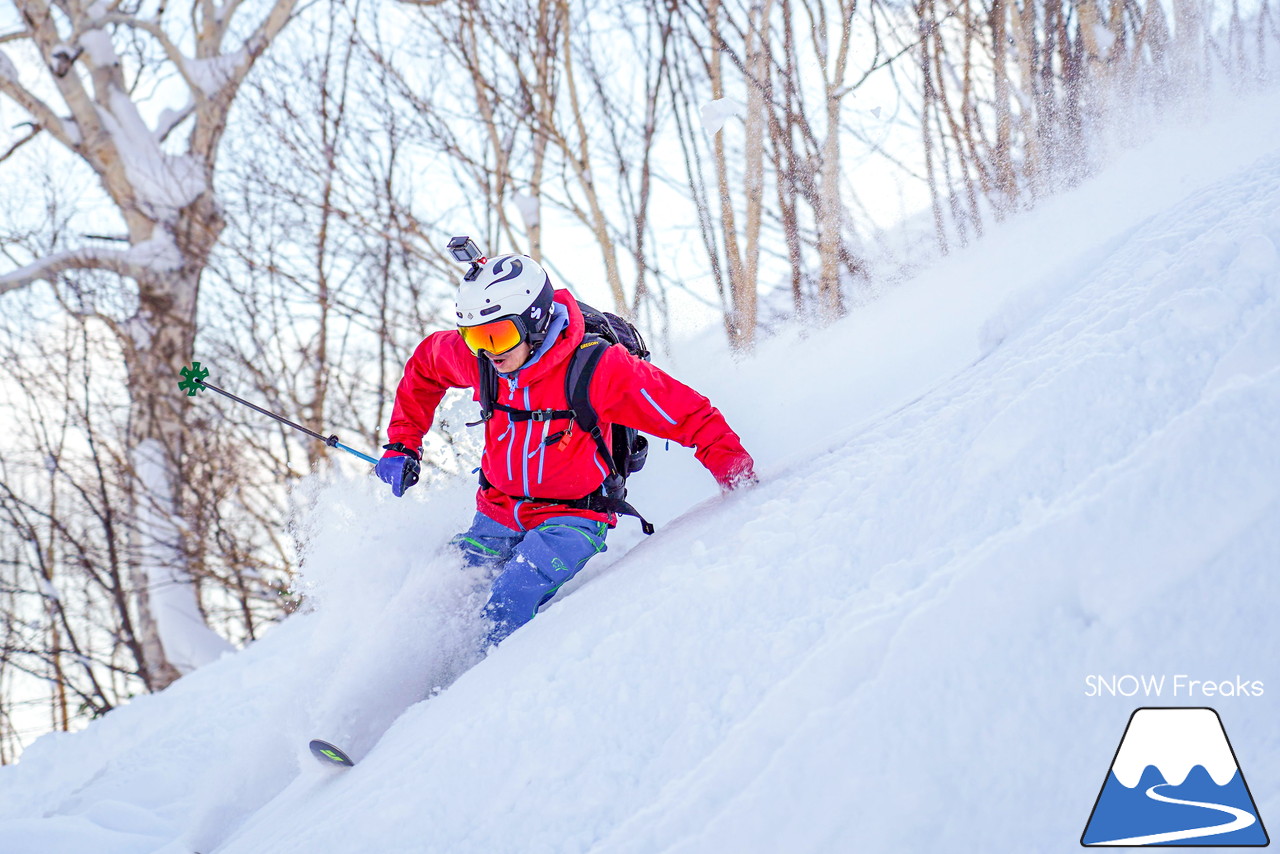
170	119
143	260
106	127
204	75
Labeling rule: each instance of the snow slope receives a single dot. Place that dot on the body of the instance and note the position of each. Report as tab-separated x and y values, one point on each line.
1052	456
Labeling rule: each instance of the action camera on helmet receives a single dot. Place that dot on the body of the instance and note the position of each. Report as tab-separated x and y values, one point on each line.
464	251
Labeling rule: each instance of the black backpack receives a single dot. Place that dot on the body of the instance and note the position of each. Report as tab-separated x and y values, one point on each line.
629	448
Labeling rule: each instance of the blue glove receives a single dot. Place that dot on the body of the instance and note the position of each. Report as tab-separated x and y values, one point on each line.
399	467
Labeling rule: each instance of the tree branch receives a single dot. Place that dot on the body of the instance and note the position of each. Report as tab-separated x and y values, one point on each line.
35	131
171	50
86	258
40	111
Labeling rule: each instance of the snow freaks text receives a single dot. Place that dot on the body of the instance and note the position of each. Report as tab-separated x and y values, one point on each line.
1178	686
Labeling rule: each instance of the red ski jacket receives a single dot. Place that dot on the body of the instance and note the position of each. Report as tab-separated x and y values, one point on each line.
528	477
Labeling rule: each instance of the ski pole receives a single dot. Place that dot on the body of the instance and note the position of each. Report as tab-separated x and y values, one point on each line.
193	382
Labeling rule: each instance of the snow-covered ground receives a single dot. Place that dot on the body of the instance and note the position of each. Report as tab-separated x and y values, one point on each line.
1051	457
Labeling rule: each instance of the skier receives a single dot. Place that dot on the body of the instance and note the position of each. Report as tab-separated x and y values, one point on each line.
544	505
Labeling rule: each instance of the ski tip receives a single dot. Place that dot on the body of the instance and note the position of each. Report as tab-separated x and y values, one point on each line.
328	754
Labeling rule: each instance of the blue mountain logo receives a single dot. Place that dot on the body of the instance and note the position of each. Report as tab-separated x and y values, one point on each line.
1175	781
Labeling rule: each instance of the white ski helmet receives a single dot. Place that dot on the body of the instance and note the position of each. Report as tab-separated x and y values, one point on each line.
512	286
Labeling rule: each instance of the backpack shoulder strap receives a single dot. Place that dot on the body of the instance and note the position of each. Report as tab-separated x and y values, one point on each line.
577	386
488	388
582	367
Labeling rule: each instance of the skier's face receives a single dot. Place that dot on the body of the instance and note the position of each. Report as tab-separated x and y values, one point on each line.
513	359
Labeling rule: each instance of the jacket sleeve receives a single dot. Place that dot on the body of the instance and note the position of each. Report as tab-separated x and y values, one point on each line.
439	363
628	391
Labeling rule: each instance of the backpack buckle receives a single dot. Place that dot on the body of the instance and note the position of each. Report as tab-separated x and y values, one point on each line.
542	414
614	487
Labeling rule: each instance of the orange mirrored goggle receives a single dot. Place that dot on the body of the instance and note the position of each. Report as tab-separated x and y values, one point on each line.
497	337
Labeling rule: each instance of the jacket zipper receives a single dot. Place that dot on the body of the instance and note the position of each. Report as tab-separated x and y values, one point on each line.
510	441
528	434
542	449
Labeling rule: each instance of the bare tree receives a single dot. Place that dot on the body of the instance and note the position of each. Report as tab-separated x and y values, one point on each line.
85	73
791	60
68	618
545	122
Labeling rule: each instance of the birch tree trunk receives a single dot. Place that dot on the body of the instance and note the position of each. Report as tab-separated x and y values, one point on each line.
578	155
728	219
745	288
1006	179
830	211
1189	42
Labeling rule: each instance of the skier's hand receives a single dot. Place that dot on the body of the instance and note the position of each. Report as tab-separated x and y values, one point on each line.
743	478
398	467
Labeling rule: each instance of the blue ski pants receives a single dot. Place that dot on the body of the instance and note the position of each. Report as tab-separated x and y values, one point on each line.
530	566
